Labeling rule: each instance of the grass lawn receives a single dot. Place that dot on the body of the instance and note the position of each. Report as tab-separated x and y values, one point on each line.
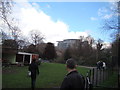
51	75
112	81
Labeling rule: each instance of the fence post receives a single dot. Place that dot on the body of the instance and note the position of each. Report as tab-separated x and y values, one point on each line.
96	77
107	74
86	84
93	77
103	74
100	77
90	75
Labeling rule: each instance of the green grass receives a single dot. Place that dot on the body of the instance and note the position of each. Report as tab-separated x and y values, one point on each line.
51	75
111	82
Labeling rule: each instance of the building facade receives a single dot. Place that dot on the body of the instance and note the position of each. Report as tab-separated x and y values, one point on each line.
66	43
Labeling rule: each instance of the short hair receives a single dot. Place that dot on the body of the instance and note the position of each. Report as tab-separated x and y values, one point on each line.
71	63
33	60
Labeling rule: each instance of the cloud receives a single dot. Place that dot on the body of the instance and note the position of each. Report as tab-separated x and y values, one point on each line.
35	5
93	18
106	45
31	18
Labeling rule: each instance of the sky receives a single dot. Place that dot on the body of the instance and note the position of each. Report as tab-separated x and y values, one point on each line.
63	20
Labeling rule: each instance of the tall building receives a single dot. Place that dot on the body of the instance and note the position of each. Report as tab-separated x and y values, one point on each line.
66	43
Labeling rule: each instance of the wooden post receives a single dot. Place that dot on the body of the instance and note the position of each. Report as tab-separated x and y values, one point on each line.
93	76
86	84
103	75
96	77
100	75
90	75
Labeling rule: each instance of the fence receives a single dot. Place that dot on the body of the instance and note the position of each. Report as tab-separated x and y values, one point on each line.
95	77
88	84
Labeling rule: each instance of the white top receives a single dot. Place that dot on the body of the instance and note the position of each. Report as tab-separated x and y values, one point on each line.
104	65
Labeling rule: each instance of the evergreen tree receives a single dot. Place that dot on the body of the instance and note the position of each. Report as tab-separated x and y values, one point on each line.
49	52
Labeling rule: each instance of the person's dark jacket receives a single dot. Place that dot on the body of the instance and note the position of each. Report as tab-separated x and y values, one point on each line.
73	80
33	67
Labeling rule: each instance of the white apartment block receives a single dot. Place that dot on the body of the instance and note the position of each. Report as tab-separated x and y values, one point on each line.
66	43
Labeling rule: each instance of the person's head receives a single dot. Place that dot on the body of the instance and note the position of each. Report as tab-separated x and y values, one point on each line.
71	64
33	60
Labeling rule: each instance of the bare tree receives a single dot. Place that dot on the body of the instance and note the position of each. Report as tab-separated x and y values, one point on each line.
23	43
90	40
16	32
9	21
5	11
113	22
40	47
36	37
99	45
3	35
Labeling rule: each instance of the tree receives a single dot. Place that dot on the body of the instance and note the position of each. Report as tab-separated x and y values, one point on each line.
40	47
5	11
49	52
32	49
36	37
16	33
10	44
90	40
67	54
21	45
4	35
115	50
99	49
9	22
113	23
81	51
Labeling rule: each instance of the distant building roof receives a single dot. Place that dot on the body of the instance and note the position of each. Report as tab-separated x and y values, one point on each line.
66	43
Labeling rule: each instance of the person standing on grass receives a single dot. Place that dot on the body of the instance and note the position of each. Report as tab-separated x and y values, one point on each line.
73	79
33	68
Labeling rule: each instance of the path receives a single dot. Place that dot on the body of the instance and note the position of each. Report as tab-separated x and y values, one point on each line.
87	67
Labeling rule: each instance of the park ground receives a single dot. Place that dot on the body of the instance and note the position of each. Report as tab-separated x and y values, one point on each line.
51	76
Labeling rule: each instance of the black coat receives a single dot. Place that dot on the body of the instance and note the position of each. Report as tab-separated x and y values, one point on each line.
33	67
73	80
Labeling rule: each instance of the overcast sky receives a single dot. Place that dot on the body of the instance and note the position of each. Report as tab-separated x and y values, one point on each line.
63	20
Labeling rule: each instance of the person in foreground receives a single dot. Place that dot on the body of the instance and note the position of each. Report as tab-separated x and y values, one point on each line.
33	68
73	79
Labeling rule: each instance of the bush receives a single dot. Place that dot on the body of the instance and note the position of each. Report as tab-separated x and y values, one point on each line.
59	60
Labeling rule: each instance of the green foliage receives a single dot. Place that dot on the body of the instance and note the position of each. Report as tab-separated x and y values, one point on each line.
67	54
85	54
49	52
32	49
82	52
51	75
10	44
112	81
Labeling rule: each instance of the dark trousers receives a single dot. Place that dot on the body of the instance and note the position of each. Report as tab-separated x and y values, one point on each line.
33	80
